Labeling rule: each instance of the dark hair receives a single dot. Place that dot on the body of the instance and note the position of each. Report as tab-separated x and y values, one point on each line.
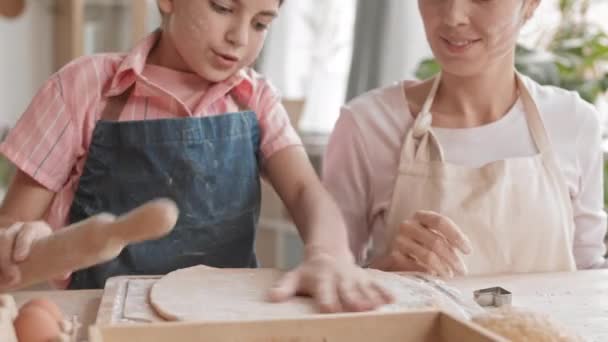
161	12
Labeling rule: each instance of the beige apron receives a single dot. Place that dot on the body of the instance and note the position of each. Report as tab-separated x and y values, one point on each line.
516	212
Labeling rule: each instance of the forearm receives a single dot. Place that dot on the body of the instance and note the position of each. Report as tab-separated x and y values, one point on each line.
590	256
6	221
590	231
25	201
313	210
10	213
319	221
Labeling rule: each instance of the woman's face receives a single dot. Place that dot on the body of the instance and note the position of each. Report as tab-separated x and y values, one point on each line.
469	36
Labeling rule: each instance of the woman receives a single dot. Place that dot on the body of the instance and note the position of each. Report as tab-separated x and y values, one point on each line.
479	170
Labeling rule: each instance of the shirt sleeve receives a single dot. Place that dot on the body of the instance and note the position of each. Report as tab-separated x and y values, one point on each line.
346	175
41	144
588	203
276	129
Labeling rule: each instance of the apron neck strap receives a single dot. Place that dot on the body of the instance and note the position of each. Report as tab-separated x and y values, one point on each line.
421	144
430	99
116	104
424	119
535	123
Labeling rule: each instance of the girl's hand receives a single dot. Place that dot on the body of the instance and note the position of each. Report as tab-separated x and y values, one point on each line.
15	245
337	285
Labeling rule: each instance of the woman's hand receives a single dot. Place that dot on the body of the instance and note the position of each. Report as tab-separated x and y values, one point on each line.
429	242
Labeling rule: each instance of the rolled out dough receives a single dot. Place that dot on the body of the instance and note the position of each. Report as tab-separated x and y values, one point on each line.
206	294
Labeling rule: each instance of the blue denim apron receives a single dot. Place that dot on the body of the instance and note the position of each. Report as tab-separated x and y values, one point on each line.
208	166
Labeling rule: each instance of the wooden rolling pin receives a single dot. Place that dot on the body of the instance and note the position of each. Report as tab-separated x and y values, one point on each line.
93	241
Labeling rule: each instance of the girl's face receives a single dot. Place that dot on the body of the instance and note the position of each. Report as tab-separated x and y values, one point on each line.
216	38
469	36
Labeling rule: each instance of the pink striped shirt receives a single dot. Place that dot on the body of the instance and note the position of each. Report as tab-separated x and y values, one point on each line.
51	140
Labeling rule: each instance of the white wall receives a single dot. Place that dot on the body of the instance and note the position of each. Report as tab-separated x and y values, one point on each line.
408	42
26	55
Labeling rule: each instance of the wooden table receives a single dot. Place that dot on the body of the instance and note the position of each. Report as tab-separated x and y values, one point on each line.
579	300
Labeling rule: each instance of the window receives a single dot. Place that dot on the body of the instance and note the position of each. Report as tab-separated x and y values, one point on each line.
308	56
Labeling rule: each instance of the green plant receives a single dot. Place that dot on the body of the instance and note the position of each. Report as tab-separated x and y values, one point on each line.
575	57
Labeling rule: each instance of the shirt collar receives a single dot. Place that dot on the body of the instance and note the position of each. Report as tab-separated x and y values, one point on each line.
131	68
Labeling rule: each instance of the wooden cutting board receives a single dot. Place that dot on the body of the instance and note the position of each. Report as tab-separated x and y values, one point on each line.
125	299
579	300
124	307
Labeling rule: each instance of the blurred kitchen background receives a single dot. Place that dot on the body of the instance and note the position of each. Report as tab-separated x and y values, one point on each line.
319	54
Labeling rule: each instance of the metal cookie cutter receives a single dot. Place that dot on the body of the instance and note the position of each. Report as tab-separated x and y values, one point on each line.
494	296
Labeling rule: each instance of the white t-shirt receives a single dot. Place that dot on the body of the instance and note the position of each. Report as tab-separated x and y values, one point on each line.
362	158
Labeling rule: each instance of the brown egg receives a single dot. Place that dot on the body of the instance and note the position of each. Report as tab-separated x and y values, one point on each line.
34	324
46	305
